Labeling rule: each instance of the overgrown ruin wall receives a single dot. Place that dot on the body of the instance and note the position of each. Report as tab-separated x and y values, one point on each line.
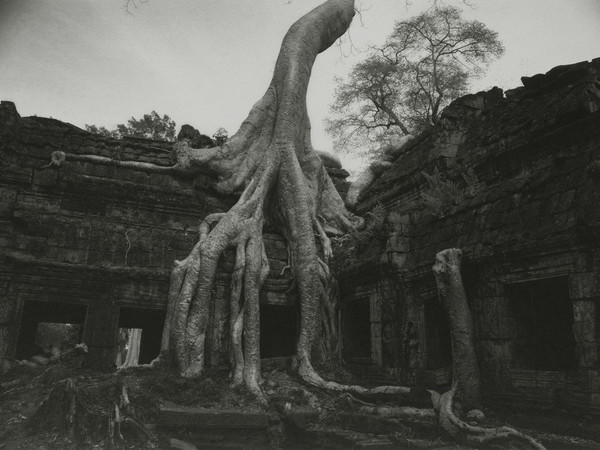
102	239
515	183
94	244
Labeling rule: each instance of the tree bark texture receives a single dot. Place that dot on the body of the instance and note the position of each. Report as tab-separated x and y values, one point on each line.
454	300
133	348
284	185
465	383
476	436
70	409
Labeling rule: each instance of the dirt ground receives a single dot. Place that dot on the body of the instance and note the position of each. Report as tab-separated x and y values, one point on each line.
24	424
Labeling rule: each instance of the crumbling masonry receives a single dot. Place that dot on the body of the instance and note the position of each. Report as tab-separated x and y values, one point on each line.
94	244
514	181
518	190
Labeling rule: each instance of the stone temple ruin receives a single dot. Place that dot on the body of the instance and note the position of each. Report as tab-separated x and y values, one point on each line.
93	245
512	178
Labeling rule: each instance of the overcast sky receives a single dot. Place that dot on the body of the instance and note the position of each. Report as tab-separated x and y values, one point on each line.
205	62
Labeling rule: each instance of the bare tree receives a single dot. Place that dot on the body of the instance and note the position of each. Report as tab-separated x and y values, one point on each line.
403	85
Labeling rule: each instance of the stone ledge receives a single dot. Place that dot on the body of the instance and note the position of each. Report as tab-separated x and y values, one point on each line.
174	416
302	417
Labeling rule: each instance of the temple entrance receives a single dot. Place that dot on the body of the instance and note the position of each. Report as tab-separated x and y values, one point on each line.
47	328
543	315
140	334
356	329
278	330
437	335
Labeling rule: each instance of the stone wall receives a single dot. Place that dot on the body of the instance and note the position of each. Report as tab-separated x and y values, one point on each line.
101	236
521	172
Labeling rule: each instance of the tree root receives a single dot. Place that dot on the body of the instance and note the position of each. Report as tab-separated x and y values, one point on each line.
465	383
388	411
310	376
66	411
59	157
467	434
284	184
398	411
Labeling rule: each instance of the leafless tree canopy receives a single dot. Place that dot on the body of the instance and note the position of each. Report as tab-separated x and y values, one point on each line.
403	85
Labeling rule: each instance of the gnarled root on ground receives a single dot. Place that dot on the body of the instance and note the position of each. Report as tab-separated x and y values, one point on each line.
69	410
397	411
465	383
464	433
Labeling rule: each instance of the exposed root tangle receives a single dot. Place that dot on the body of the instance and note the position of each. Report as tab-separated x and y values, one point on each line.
479	436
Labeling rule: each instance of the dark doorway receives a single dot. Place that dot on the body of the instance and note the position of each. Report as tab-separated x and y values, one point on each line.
35	323
543	317
278	325
437	335
151	322
356	329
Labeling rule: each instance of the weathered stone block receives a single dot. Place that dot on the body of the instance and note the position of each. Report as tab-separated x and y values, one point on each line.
211	418
584	261
587	355
375	443
584	328
549	380
492	320
302	417
159	180
585	379
398	243
399	218
494	357
45	177
584	285
274	298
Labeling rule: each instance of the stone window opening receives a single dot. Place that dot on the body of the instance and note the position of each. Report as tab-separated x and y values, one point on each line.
437	335
542	313
278	330
139	335
356	329
49	328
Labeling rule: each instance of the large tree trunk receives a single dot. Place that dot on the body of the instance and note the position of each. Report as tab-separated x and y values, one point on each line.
454	300
283	182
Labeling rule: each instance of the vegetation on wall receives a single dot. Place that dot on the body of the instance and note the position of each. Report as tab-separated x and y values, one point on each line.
443	194
348	248
149	126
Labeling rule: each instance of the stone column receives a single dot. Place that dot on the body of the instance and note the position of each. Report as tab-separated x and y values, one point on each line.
584	290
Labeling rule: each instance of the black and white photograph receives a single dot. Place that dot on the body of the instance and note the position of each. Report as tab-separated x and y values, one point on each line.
300	224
